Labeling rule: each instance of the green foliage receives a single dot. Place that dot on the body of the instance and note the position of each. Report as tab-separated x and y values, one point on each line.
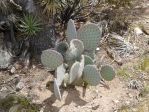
123	72
18	103
145	91
107	72
119	3
91	75
29	25
144	65
51	59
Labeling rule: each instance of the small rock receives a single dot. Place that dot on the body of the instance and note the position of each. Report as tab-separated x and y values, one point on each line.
13	69
138	31
127	102
97	49
19	86
33	66
3	89
116	101
130	95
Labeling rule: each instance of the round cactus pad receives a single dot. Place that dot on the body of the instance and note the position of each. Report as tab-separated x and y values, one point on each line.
77	45
88	60
57	90
75	50
51	59
74	72
62	47
90	35
71	32
91	75
107	73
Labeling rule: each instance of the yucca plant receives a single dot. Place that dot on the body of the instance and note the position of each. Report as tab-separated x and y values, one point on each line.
29	25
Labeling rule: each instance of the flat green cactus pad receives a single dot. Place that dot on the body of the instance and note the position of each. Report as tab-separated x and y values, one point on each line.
60	72
88	60
51	59
71	32
107	72
75	50
57	90
77	47
91	75
74	72
62	47
82	64
90	34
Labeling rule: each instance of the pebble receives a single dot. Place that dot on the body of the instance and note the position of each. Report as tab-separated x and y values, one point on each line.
127	102
13	69
138	31
19	86
116	101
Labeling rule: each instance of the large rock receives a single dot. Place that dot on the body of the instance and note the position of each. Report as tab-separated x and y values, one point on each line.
5	59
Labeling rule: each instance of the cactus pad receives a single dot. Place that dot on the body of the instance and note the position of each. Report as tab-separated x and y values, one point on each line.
74	72
57	90
75	50
91	75
51	59
82	61
88	60
62	47
71	32
90	35
60	72
107	72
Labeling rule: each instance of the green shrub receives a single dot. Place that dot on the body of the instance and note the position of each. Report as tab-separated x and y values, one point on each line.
29	25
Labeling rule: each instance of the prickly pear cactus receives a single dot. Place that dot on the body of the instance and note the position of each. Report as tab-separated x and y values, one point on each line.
91	75
107	72
90	34
60	72
88	60
75	50
51	59
62	47
74	72
57	90
71	32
